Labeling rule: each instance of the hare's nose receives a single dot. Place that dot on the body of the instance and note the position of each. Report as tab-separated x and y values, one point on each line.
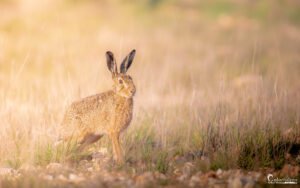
132	91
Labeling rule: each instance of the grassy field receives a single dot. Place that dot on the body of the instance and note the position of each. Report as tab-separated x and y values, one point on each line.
217	81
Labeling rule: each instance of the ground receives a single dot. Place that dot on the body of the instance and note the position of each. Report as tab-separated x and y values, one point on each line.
100	171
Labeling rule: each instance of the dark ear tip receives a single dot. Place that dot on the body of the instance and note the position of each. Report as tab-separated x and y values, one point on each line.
132	53
109	53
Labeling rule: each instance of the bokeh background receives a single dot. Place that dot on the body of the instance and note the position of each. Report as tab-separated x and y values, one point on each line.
212	77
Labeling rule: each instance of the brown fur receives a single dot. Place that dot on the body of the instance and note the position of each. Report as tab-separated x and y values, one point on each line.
108	113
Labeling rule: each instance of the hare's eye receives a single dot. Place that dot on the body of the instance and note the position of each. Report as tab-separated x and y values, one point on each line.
120	81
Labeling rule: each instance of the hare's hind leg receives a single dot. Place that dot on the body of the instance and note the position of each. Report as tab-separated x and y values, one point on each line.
89	139
117	150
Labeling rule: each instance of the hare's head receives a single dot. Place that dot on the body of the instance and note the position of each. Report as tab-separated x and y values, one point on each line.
123	83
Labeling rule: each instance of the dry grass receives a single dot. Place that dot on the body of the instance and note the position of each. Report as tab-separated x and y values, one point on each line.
211	78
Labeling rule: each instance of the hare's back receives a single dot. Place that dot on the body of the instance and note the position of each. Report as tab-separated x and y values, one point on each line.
90	111
93	103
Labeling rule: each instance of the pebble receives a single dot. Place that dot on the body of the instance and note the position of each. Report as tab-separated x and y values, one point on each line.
182	178
62	178
47	177
54	166
145	179
101	153
235	182
75	178
160	176
187	169
195	180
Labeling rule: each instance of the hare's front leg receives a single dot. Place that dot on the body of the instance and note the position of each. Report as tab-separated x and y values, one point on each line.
117	150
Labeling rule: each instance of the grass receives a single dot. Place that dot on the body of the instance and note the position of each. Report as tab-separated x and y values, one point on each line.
162	162
227	92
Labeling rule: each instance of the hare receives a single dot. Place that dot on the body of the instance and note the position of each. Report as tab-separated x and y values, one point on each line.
108	113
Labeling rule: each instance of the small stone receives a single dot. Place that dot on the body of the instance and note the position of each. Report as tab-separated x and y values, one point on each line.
75	178
235	182
182	178
90	169
145	179
83	162
177	172
187	169
101	153
62	178
103	150
47	177
212	181
54	166
250	184
195	179
160	176
219	172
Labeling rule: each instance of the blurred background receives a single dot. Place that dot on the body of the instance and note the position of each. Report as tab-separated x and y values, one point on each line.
198	64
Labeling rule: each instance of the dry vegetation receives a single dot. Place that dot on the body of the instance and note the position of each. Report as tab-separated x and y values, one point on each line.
217	83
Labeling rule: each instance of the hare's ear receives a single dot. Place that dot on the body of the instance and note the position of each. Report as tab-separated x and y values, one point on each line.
127	62
111	63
